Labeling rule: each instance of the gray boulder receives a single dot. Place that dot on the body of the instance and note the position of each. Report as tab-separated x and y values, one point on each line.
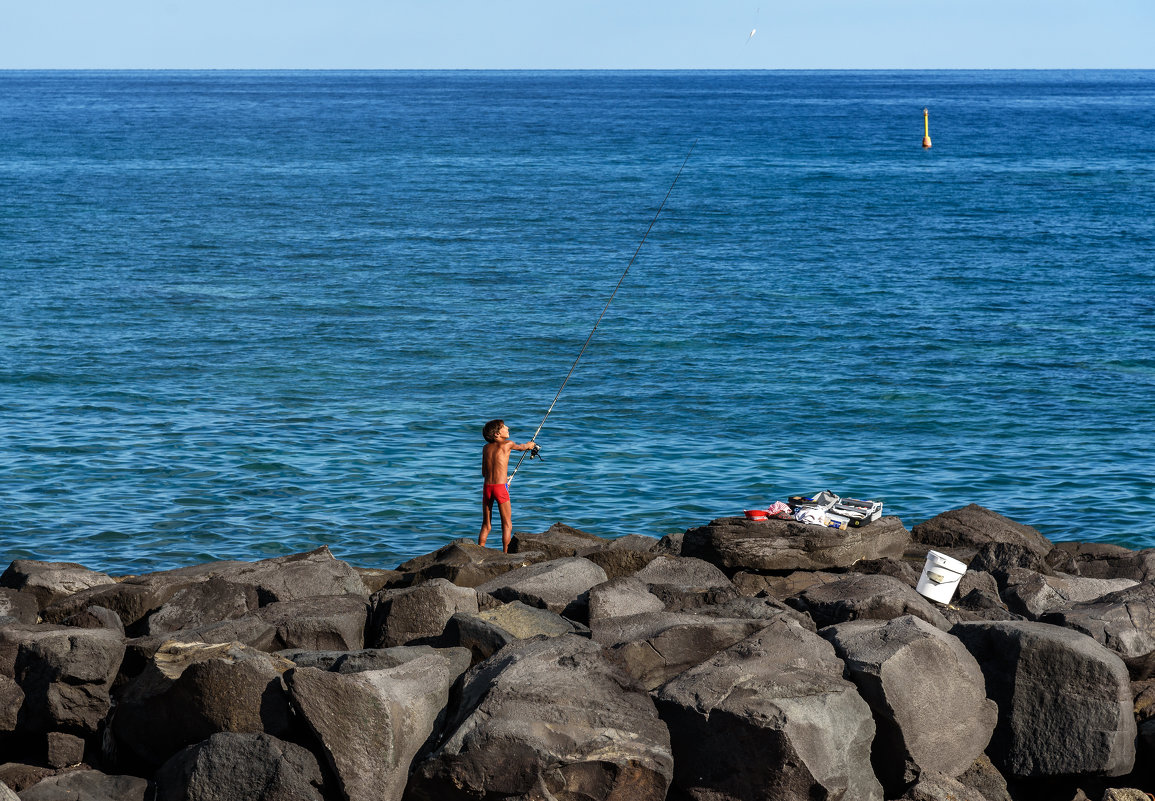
973	526
376	658
50	581
248	631
1064	700
465	564
560	585
65	675
241	767
770	718
927	693
96	617
858	597
372	724
490	630
298	577
11	699
1034	594
657	646
87	785
782	586
64	750
624	556
557	542
328	622
986	779
735	543
1106	561
1123	621
934	786
549	718
212	601
18	607
7	793
191	691
401	616
622	597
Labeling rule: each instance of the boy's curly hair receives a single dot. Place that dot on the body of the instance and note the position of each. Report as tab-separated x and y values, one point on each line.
491	429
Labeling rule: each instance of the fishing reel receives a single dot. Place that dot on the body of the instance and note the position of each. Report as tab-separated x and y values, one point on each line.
535	452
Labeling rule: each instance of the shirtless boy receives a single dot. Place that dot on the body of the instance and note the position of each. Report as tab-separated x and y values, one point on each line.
494	467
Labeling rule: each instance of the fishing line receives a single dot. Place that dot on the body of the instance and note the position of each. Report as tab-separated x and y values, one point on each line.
603	314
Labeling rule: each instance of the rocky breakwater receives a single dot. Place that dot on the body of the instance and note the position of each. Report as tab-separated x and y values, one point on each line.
739	660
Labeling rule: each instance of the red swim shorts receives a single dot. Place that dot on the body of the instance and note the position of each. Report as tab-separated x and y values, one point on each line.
496	492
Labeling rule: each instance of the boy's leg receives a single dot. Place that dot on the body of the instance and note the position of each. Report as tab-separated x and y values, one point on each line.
506	525
486	506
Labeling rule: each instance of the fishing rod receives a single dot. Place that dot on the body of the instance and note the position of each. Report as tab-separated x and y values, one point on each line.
625	272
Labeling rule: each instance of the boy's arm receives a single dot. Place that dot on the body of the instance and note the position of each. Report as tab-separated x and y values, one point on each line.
529	446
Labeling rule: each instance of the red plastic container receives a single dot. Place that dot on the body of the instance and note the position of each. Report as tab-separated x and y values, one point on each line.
757	514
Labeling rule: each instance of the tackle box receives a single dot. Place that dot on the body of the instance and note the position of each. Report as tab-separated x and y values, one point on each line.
842	512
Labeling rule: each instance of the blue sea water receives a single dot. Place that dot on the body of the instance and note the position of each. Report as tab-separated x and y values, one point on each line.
245	314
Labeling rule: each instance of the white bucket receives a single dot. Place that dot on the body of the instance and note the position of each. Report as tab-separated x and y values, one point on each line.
940	577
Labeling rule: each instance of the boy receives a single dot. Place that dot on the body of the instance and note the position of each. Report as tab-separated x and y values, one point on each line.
494	466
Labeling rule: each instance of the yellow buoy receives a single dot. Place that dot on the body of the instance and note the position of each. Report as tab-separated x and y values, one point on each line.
925	128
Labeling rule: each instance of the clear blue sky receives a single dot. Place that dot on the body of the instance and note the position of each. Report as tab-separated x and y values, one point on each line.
585	34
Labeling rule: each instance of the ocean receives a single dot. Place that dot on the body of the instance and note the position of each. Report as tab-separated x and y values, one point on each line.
244	314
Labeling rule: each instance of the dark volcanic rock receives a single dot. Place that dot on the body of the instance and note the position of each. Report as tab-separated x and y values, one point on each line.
734	543
328	622
241	767
1034	594
1000	558
11	699
934	786
1106	561
18	607
191	691
65	674
1064	700
490	630
857	597
622	597
466	564
50	581
973	526
371	724
657	646
770	718
782	587
87	785
96	617
625	555
1123	621
201	604
298	576
401	616
560	585
557	542
549	718
64	749
927	693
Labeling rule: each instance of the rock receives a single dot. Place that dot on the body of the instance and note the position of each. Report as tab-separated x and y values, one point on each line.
64	749
1144	692
900	569
671	544
328	622
1125	794
624	556
211	601
549	718
983	776
375	579
298	577
557	542
7	794
248	631
87	785
372	724
20	777
18	607
1034	594
755	609
487	632
858	597
782	587
1105	561
560	585
11	699
927	693
770	718
241	767
1123	621
65	674
974	526
466	564
657	646
734	543
934	786
49	581
1000	558
622	597
685	583
398	617
96	617
1064	700
192	691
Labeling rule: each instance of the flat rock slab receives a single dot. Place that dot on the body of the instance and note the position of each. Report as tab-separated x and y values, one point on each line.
927	692
735	543
1064	700
241	767
858	597
50	581
371	724
974	526
549	718
553	585
465	564
770	719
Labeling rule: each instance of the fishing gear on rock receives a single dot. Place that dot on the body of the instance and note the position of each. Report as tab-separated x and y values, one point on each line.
536	451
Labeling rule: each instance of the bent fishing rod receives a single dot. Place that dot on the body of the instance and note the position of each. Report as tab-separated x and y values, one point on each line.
597	322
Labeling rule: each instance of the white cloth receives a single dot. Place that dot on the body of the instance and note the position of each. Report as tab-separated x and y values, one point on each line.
812	515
